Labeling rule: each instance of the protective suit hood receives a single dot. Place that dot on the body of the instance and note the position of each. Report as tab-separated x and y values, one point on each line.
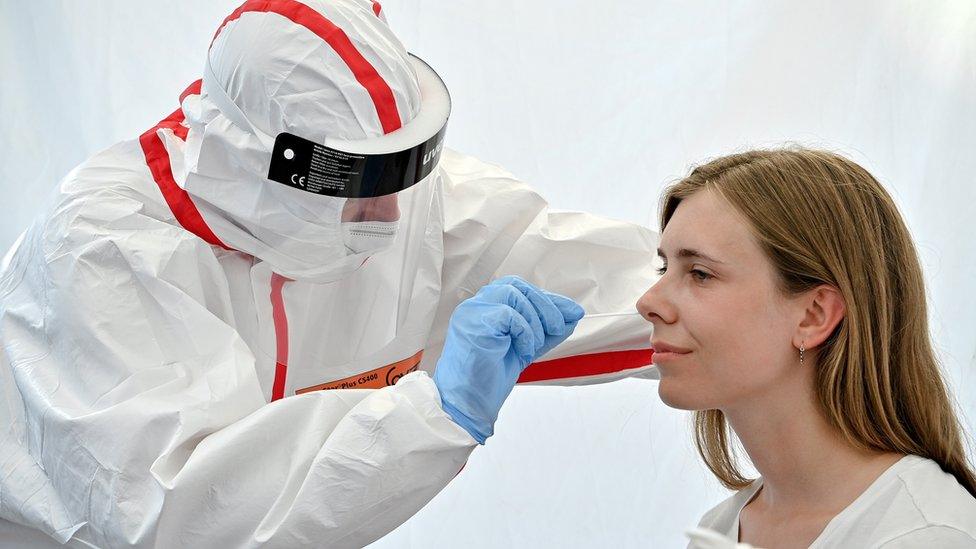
327	72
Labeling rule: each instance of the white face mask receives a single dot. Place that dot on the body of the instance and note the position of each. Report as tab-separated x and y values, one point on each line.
368	236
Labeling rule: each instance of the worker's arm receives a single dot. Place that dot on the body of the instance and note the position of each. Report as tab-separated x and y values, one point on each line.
495	226
133	415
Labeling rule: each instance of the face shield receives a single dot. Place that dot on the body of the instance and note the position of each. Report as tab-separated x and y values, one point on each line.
369	175
319	210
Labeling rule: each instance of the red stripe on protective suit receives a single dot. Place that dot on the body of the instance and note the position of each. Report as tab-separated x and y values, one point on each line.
178	200
586	365
187	215
192	89
377	8
281	335
300	14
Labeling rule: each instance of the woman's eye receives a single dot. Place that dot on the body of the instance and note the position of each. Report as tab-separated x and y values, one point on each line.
662	270
700	275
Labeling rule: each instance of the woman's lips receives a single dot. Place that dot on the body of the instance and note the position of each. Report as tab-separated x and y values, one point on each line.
664	352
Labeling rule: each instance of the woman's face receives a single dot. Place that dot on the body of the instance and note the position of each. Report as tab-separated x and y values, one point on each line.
723	330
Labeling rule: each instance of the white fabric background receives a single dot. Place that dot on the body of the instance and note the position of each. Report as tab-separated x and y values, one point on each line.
597	106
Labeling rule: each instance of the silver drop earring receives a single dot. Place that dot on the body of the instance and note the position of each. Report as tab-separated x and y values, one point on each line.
801	354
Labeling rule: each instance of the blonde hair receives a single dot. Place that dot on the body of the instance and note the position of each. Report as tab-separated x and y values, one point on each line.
822	219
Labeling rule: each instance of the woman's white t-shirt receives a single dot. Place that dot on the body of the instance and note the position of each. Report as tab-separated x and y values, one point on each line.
914	503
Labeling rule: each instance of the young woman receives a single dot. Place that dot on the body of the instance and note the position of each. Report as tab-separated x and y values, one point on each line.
791	309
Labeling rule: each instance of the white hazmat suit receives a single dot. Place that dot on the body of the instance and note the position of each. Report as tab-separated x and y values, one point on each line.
195	356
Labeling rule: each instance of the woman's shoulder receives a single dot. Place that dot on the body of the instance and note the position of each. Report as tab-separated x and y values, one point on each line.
915	500
936	496
943	537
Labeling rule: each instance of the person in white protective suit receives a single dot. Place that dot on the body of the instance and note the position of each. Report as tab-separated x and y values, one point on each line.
220	334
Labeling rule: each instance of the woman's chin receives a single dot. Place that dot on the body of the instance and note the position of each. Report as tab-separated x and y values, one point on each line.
679	395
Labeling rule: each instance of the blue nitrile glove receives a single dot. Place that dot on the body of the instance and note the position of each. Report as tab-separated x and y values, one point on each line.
493	336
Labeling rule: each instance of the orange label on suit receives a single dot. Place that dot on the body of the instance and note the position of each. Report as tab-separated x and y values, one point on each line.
373	379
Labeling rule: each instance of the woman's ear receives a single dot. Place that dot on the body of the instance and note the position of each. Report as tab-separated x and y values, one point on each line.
824	309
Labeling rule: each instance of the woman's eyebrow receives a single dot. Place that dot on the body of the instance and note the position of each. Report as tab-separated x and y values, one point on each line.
689	253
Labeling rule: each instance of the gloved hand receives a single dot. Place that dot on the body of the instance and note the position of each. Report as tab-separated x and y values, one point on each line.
492	337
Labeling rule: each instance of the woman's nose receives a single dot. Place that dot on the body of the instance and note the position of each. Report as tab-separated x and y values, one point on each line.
653	305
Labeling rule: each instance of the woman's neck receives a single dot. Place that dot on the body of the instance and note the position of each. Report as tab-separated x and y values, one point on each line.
806	464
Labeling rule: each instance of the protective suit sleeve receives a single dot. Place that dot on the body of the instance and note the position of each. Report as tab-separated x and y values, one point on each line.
496	226
133	416
605	265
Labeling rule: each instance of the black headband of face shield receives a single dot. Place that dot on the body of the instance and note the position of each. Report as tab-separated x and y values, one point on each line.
318	169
